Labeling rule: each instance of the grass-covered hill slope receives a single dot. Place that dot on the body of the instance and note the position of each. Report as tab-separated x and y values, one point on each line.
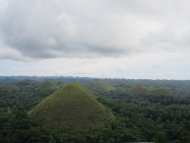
90	83
103	87
120	84
120	89
47	85
71	105
61	84
138	90
123	85
160	91
26	82
87	90
11	88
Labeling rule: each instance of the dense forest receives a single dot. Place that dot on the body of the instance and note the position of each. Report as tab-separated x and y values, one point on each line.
140	116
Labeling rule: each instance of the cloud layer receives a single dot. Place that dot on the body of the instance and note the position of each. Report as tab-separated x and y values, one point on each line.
36	30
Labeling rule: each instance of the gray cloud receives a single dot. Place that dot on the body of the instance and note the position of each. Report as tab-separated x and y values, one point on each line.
87	29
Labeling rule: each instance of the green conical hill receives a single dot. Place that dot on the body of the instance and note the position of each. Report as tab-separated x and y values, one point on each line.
71	105
151	88
26	82
47	85
120	89
61	84
104	86
160	91
90	83
11	88
120	84
38	82
138	90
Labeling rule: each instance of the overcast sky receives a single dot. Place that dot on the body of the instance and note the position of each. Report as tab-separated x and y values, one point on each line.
134	39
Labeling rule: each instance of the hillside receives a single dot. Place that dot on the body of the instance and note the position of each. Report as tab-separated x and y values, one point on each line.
87	90
90	83
160	91
120	89
138	90
71	105
47	85
61	84
11	88
26	82
103	87
123	85
120	84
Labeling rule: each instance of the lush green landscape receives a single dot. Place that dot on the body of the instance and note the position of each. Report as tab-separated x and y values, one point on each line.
94	110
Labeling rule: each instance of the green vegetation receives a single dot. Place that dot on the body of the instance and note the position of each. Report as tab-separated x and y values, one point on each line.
157	116
103	87
120	89
71	105
160	91
87	90
123	85
139	89
61	84
11	88
46	85
26	82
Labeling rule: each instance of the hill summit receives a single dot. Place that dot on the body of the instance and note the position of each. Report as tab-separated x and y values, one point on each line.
61	84
71	105
26	82
103	87
160	91
140	89
47	85
11	88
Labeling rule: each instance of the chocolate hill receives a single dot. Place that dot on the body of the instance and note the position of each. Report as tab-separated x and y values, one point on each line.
71	105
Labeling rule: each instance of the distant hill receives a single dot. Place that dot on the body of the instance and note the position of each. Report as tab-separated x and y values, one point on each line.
120	89
47	85
123	85
120	84
74	81
11	88
61	84
160	91
7	79
90	83
71	105
103	87
38	82
26	82
138	90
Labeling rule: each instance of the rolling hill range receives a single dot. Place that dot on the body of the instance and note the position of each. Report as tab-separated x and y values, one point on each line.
120	89
140	89
26	82
160	91
61	84
71	105
103	87
47	85
11	88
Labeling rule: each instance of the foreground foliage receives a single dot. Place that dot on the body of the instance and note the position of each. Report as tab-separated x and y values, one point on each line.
139	118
